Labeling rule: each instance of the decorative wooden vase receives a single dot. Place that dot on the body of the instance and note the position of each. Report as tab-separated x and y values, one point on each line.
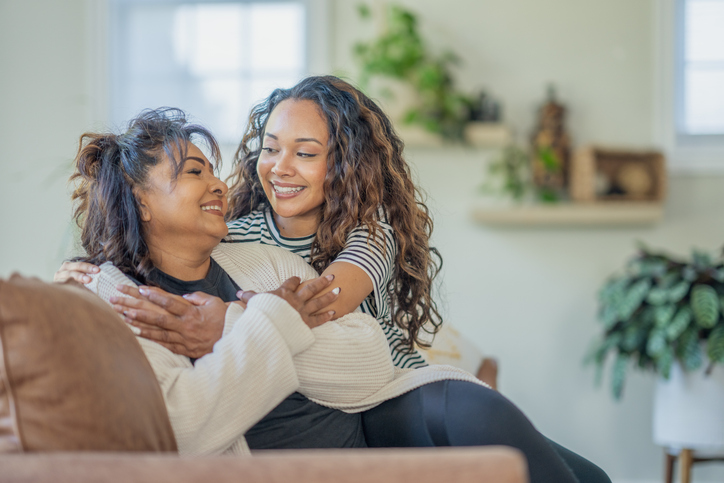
551	136
689	410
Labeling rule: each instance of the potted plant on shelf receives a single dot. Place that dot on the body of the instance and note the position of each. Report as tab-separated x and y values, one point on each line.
400	53
664	315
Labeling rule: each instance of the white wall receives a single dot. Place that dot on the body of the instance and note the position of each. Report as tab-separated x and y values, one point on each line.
44	108
524	295
598	54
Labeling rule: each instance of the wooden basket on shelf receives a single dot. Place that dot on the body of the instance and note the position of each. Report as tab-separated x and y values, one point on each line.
605	174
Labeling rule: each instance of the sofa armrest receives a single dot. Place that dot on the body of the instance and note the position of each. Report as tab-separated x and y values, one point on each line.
488	372
422	465
451	348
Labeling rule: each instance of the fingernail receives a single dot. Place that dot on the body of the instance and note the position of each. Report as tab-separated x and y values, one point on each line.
95	269
186	295
330	277
239	294
87	279
143	290
135	330
113	300
331	312
336	290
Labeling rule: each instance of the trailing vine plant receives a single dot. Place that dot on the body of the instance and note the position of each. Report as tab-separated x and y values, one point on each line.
400	53
509	174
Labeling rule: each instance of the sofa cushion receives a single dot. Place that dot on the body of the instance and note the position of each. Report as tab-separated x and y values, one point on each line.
72	375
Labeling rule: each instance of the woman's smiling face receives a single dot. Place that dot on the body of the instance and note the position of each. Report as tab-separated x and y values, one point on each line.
184	207
293	164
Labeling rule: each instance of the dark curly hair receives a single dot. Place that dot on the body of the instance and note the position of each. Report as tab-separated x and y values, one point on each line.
109	168
365	171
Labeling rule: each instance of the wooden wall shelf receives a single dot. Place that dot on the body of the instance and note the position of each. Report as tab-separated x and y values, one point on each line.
481	135
572	214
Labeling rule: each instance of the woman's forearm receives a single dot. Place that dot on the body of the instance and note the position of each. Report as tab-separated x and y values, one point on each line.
354	284
349	361
213	403
350	358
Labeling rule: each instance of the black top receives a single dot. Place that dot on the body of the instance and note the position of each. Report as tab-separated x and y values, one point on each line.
217	283
296	422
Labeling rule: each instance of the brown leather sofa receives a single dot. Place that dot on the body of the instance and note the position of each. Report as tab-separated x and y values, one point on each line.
463	465
79	402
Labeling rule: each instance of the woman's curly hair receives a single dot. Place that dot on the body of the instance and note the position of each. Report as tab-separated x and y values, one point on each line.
110	168
365	171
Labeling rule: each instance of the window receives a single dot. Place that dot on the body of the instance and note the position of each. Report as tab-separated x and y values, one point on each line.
701	67
690	81
212	58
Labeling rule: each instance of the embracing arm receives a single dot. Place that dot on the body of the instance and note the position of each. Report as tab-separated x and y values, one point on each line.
365	266
349	361
213	403
354	283
350	358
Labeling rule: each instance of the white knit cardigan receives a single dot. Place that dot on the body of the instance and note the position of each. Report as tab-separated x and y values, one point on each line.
266	353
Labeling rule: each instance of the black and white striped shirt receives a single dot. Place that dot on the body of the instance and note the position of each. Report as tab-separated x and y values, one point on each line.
376	259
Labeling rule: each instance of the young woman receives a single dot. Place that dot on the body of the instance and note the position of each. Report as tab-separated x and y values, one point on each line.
320	172
151	211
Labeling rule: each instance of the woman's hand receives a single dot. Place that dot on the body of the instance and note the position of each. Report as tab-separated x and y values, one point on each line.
78	271
302	299
188	325
192	324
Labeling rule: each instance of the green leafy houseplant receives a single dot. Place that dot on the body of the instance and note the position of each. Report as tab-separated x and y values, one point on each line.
661	310
509	175
552	165
400	53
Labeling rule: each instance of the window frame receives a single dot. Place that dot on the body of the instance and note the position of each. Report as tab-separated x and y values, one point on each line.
686	153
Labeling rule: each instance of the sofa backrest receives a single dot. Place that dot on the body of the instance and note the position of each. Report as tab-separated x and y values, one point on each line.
72	375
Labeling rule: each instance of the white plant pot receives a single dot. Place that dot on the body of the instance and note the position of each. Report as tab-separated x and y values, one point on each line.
689	409
403	97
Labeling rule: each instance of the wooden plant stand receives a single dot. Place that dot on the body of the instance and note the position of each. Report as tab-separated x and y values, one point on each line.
686	461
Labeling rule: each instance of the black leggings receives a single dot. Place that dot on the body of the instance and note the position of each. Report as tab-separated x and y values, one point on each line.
457	413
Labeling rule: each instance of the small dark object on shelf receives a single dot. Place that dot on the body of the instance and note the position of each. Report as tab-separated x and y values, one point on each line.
485	109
